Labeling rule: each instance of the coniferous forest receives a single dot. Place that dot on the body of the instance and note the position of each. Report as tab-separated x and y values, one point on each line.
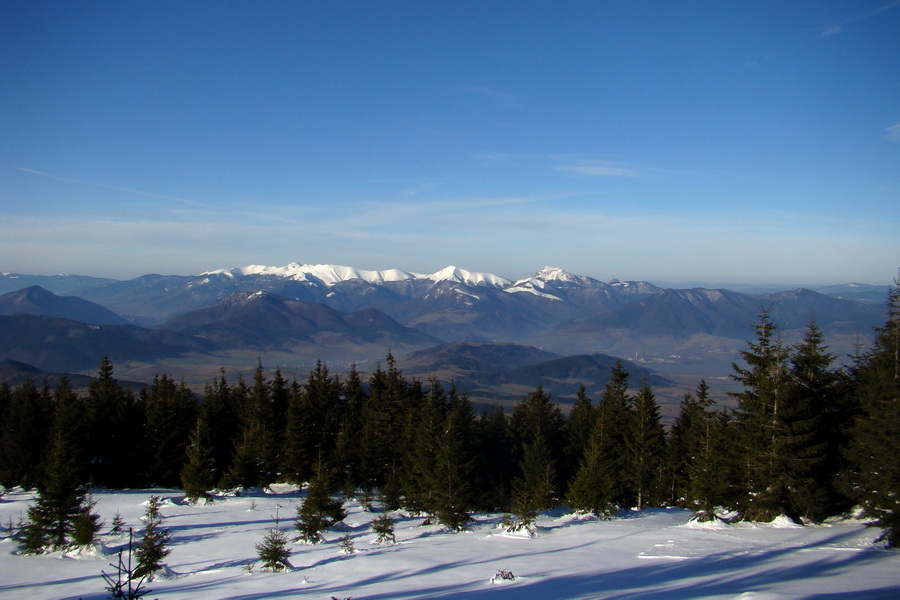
807	439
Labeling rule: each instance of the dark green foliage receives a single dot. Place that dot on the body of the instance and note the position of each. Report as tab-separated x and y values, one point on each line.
383	527
219	416
537	429
534	489
582	419
153	547
125	584
86	525
313	423
274	550
198	473
115	426
596	486
23	431
874	447
786	417
644	447
764	433
814	426
319	510
609	437
494	467
170	410
60	502
706	440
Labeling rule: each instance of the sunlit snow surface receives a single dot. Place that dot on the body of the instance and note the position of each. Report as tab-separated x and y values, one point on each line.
650	554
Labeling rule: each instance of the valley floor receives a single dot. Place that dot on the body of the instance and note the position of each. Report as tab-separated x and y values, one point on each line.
650	554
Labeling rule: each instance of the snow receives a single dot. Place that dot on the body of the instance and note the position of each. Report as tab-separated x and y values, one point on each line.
455	274
333	274
654	553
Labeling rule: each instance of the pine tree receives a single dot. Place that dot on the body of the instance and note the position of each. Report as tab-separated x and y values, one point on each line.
115	430
23	430
591	489
494	467
765	435
219	416
453	471
59	503
582	419
537	429
153	547
86	525
198	473
274	550
347	459
319	510
814	426
645	444
170	408
873	449
383	527
604	466
534	489
701	438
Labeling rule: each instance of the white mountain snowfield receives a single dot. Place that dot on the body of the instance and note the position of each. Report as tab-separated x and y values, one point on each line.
658	553
333	274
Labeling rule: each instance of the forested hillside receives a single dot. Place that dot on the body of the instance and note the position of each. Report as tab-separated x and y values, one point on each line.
807	440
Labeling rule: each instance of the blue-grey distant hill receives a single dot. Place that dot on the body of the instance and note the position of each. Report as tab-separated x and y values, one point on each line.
35	300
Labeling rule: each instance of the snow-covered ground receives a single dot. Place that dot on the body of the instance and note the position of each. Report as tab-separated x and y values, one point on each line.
650	554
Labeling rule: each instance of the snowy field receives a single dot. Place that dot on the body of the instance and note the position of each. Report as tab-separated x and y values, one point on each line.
650	554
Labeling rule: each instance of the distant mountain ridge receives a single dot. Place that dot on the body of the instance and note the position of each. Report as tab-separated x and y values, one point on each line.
299	312
35	300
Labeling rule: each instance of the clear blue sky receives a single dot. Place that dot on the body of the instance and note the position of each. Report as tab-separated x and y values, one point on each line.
753	141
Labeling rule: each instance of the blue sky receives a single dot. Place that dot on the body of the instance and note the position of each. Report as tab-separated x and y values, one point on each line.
714	141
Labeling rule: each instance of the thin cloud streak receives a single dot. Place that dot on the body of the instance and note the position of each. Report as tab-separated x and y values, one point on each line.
893	132
839	28
599	168
115	187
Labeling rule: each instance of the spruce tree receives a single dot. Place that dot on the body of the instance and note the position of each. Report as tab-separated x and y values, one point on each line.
875	472
383	527
86	525
198	473
534	490
580	427
319	510
454	469
274	550
645	444
115	430
24	430
59	504
494	467
537	429
764	432
170	409
610	432
813	419
153	547
591	489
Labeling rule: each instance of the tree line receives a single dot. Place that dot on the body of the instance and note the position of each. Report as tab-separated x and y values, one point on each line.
807	439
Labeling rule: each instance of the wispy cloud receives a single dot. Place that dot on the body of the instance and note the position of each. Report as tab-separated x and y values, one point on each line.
500	97
862	16
599	168
893	132
114	187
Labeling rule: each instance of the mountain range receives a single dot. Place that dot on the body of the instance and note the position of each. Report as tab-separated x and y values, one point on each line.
289	316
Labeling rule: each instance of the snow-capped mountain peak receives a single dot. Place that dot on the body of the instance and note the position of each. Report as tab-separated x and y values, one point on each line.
556	274
328	275
457	275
